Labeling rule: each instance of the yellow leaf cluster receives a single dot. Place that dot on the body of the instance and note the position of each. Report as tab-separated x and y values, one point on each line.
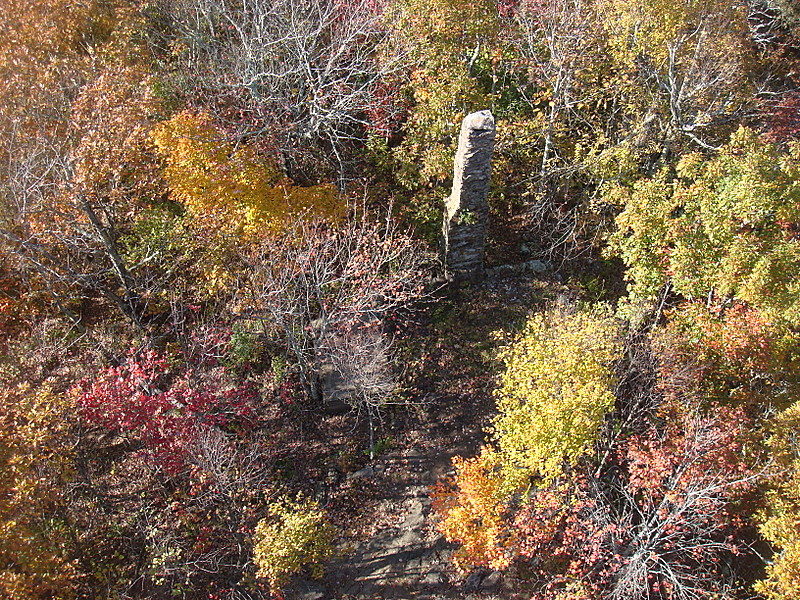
649	27
34	461
780	522
555	390
295	535
442	35
232	188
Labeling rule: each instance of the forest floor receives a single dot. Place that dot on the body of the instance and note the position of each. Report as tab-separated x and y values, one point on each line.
389	545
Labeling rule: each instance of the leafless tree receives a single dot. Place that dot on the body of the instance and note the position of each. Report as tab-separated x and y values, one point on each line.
703	79
234	473
675	529
691	87
559	42
71	243
320	285
669	469
362	359
306	72
68	190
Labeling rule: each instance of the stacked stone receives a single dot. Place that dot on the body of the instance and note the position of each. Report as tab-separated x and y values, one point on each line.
467	210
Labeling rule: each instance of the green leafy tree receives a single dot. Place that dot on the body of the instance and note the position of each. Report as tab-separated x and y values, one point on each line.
722	228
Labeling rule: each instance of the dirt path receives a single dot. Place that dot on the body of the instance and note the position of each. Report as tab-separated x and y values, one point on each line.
407	561
399	554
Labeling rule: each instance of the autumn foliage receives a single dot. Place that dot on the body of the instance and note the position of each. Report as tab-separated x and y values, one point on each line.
548	419
167	422
232	189
475	511
644	503
294	536
36	558
218	284
556	388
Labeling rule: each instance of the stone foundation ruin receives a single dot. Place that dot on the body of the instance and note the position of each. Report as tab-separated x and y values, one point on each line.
466	214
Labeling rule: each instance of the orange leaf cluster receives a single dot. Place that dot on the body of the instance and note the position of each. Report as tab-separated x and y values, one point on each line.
228	187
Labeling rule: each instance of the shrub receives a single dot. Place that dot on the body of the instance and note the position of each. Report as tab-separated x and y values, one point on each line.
294	535
474	512
779	520
555	391
556	388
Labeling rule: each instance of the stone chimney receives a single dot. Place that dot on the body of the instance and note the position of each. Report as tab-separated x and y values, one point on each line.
467	210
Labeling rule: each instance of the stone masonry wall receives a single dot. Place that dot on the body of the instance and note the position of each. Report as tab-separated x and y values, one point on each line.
467	211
